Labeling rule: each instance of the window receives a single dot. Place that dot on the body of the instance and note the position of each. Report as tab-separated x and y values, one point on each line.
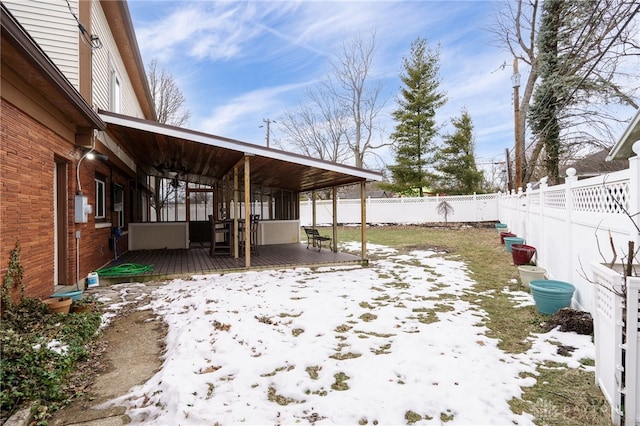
101	198
115	95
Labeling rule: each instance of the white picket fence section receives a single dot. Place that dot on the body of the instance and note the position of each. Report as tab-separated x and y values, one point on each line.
405	210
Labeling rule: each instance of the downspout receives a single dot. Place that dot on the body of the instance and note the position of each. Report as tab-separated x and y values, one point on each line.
79	192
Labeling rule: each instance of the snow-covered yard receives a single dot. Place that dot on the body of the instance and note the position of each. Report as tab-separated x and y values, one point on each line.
389	344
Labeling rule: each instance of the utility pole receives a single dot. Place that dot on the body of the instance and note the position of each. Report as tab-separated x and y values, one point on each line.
509	180
266	120
519	144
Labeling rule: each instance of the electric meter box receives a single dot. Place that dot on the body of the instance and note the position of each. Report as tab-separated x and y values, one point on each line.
82	209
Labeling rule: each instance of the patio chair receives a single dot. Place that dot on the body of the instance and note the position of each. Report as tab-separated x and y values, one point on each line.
314	238
253	234
220	238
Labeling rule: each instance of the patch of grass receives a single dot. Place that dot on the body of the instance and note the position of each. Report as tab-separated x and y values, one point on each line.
384	349
313	371
297	331
343	328
426	317
564	396
374	334
347	355
278	370
368	316
284	315
446	417
341	382
273	396
412	417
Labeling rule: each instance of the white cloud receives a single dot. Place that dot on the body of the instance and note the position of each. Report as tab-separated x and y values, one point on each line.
240	62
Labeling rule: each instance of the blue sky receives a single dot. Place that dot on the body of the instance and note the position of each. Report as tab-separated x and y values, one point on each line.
239	62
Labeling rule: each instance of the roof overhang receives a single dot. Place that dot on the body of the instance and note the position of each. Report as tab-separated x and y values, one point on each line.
163	150
23	55
622	149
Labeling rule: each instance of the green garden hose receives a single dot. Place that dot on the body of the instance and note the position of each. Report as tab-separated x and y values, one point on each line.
124	269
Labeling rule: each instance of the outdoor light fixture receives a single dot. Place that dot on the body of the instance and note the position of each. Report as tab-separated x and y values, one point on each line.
90	154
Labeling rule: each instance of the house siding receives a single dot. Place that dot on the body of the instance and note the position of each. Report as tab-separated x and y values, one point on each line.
103	60
54	28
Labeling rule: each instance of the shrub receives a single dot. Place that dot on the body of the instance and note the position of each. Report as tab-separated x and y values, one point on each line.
39	350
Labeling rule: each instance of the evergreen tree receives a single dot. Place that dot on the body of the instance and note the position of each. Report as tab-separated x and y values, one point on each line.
455	161
544	112
416	126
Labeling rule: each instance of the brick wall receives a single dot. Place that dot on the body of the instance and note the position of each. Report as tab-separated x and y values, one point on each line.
27	168
28	155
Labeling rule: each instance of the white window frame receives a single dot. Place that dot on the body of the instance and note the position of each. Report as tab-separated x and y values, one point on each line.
101	199
115	90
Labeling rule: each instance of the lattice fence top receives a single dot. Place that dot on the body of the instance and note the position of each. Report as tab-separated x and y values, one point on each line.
607	198
555	199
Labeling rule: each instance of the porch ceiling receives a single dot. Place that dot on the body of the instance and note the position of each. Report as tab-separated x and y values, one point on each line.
200	157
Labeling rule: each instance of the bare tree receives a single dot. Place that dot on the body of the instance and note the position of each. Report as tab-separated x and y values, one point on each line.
596	54
170	108
167	97
360	97
339	119
317	129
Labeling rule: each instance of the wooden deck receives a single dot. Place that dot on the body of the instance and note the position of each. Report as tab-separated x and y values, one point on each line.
168	264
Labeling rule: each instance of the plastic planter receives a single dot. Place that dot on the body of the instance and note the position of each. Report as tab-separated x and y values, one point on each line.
551	295
504	235
501	227
522	254
530	273
509	241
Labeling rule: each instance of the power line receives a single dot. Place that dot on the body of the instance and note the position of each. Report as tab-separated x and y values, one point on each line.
91	40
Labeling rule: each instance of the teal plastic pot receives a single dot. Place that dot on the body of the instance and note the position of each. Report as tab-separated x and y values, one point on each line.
551	295
504	235
510	241
74	295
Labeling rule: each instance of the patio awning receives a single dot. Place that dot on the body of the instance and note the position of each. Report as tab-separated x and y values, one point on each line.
163	150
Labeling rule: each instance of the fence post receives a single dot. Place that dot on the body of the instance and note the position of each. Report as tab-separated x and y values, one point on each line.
543	189
570	181
634	192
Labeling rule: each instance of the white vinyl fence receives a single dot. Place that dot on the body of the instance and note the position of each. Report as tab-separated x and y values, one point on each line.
578	229
406	210
572	225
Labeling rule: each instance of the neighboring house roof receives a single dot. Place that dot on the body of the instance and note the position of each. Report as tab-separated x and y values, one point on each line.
29	62
595	164
205	158
622	149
